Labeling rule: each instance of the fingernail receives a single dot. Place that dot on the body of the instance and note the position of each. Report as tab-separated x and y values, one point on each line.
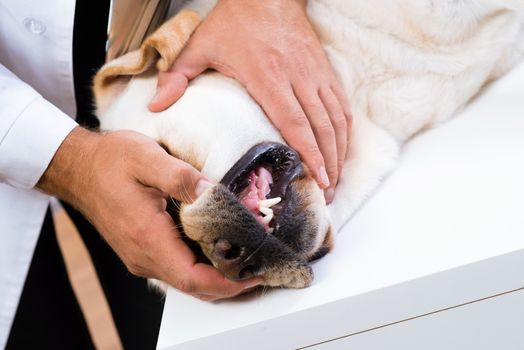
254	283
156	97
324	176
202	186
329	195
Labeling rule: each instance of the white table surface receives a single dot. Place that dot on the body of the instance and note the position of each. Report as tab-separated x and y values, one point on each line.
456	198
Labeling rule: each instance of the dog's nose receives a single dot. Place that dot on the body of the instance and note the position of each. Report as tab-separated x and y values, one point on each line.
231	260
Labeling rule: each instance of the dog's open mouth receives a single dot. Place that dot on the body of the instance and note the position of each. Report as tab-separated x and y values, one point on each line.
260	180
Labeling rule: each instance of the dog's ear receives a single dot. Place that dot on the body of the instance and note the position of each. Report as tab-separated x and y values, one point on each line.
162	47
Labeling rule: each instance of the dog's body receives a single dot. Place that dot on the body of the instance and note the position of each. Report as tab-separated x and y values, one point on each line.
405	66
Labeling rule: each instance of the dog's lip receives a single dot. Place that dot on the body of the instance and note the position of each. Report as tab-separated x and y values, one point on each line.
284	161
285	165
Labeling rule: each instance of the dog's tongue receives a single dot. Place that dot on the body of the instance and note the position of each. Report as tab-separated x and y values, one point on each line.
259	180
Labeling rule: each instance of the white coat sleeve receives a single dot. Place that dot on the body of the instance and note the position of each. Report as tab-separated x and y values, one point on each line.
31	130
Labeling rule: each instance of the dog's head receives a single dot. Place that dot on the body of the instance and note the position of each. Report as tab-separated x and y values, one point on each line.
266	218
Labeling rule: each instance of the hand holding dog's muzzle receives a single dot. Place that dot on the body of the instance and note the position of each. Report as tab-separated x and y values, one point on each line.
120	181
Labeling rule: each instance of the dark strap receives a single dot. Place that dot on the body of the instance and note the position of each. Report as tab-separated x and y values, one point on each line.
89	40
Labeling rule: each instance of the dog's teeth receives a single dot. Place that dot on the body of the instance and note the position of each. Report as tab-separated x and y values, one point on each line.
268	203
266	211
270	230
267	219
264	206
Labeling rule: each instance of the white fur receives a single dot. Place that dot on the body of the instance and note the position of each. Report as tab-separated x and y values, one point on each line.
405	65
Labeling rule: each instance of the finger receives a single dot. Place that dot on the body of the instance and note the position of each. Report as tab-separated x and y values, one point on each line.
339	123
171	175
206	280
322	128
206	297
194	61
173	83
346	107
282	107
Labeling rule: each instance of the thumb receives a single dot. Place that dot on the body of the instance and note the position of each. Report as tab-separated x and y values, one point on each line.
173	176
173	83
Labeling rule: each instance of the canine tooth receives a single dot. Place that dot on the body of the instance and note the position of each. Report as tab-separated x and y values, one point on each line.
266	211
270	230
268	203
267	219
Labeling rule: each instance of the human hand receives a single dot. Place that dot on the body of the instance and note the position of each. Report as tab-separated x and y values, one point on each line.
120	181
270	47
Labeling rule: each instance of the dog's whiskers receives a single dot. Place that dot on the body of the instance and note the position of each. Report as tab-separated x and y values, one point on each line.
180	230
185	193
175	204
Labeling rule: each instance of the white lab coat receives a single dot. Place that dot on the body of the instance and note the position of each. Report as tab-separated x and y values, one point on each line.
36	105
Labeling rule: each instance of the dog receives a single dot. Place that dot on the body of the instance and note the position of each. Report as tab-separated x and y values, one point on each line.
406	66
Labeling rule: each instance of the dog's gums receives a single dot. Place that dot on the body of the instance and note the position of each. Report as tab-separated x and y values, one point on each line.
260	180
254	196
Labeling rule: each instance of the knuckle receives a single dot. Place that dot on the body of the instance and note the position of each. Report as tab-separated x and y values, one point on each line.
332	169
230	291
135	269
303	70
297	118
325	127
339	121
275	91
342	98
185	169
314	151
314	108
273	64
186	285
